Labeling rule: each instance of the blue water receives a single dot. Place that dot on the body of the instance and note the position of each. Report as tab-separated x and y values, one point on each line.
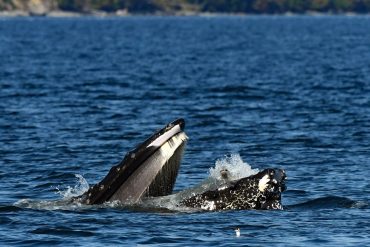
283	92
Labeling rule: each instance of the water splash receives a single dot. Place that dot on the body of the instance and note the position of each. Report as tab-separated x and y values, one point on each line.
330	202
62	204
81	187
235	165
236	168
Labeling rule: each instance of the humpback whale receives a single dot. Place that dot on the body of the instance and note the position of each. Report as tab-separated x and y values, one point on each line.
150	171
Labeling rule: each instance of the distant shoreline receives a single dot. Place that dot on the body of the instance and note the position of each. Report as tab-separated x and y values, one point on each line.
123	13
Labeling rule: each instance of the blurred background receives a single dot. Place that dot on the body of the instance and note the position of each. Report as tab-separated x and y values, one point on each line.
183	7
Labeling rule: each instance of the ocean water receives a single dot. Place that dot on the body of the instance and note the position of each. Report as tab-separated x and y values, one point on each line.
284	92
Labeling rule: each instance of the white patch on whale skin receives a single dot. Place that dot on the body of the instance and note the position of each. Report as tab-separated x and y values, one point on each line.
208	205
262	184
222	187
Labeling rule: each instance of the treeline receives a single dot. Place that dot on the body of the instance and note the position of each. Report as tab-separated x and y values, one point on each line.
283	6
175	6
108	5
220	6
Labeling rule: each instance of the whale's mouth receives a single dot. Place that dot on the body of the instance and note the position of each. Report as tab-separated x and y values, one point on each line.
147	171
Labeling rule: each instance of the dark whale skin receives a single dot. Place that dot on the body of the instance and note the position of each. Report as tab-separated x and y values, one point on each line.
133	160
260	191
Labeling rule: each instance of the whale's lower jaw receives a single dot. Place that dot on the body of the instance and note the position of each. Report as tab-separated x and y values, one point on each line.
260	191
149	170
156	176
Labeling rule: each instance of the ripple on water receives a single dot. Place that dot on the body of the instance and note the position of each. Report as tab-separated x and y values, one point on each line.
291	92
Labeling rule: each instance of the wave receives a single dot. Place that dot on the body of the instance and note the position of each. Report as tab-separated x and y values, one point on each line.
65	203
69	192
7	208
330	202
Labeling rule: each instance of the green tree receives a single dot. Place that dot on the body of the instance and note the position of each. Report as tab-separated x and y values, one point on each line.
108	5
141	6
341	5
319	5
74	5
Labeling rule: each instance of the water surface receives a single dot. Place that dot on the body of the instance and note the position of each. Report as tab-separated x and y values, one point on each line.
287	92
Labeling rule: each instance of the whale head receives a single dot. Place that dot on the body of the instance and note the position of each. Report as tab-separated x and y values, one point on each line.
260	191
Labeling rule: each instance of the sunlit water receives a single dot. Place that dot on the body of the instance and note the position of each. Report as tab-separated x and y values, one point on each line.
283	92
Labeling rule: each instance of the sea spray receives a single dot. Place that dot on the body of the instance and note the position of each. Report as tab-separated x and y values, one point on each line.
81	187
235	165
61	204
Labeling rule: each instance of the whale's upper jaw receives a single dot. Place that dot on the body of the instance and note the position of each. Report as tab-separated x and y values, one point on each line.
148	170
260	191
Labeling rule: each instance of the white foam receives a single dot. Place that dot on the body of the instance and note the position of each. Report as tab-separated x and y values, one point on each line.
61	204
235	165
81	187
